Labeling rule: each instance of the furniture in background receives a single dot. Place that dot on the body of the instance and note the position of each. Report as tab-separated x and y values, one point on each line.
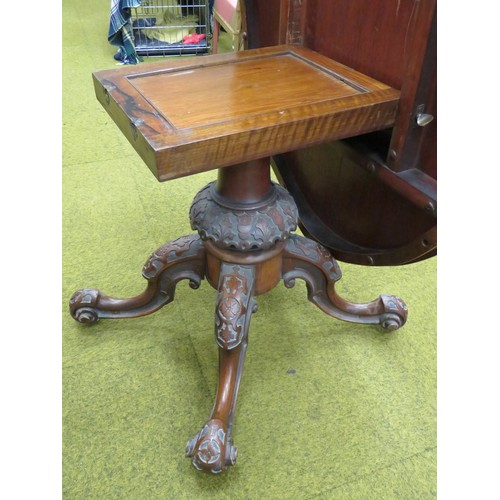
230	15
159	28
289	106
171	27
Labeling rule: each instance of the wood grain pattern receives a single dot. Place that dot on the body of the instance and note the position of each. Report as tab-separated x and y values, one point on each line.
188	116
249	88
371	199
371	36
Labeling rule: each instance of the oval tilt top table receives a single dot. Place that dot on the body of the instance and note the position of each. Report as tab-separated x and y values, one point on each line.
369	199
270	101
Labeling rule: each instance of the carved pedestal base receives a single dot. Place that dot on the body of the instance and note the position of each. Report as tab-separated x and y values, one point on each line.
243	252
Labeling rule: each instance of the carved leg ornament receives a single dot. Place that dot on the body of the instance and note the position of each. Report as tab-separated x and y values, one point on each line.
183	258
212	449
308	260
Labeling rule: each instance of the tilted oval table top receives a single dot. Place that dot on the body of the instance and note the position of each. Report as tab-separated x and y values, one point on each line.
190	115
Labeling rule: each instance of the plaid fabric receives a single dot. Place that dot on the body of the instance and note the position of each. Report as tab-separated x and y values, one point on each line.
120	30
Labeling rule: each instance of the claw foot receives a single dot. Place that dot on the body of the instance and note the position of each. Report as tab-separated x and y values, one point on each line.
211	449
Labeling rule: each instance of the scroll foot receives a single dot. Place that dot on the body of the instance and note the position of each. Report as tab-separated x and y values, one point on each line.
212	449
311	262
183	258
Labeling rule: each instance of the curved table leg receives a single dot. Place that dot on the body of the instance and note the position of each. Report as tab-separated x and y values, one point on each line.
183	258
212	449
310	261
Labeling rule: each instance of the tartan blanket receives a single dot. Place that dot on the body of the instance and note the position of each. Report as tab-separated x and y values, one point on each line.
120	30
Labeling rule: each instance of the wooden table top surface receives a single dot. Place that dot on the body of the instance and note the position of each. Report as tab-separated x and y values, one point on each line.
193	114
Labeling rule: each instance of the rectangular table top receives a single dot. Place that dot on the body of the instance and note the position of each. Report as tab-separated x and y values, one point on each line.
194	114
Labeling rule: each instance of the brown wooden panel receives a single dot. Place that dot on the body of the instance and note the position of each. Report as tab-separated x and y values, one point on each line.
369	35
372	200
263	23
413	146
345	205
271	101
264	82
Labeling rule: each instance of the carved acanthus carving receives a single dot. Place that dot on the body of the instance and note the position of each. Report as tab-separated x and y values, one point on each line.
234	304
315	253
244	229
311	262
185	246
183	258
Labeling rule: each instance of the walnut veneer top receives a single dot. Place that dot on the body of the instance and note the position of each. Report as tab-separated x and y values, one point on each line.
189	115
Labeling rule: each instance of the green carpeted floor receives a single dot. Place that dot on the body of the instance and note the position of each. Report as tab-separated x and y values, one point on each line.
327	409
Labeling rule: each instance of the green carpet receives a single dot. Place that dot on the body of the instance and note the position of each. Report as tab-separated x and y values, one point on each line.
327	409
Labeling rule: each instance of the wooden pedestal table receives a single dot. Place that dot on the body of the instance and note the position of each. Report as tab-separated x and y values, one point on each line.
232	112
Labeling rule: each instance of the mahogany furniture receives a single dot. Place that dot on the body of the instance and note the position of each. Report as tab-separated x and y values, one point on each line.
270	102
372	199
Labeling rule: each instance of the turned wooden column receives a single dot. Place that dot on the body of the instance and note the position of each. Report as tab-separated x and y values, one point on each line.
245	185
